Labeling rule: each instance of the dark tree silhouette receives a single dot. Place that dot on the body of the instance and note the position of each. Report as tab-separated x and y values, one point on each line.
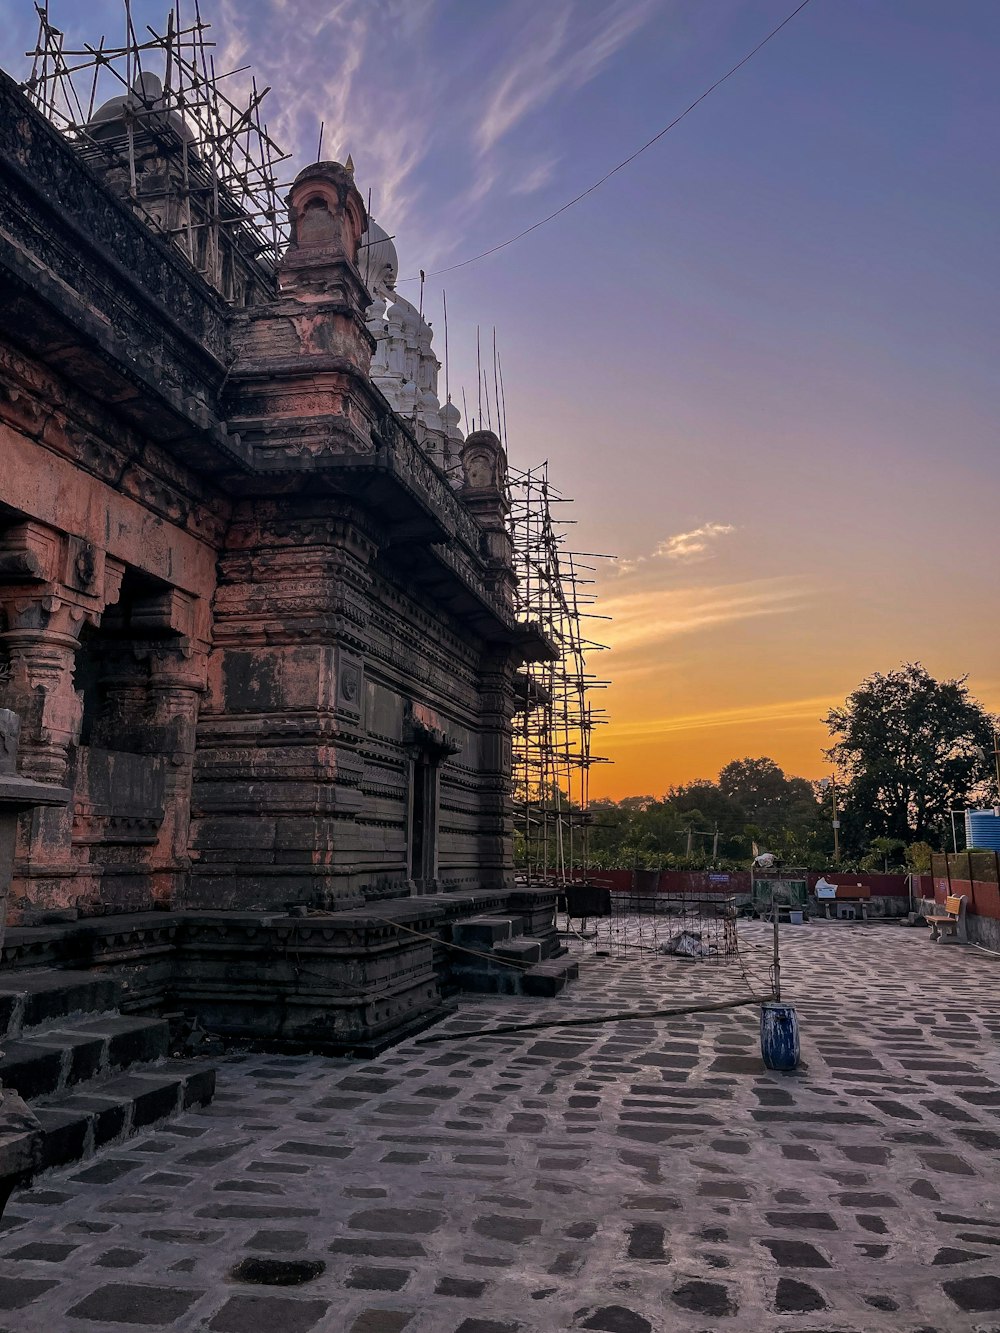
910	748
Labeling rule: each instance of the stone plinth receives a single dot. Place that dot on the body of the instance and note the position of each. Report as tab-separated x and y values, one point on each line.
17	794
19	1129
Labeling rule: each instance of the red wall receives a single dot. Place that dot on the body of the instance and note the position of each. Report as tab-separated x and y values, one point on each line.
983	896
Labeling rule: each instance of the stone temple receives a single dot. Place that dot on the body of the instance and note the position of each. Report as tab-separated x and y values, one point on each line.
257	619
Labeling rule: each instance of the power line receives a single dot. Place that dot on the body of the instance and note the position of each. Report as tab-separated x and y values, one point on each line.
485	254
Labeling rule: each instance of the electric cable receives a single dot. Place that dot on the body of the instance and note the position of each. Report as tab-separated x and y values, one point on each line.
485	254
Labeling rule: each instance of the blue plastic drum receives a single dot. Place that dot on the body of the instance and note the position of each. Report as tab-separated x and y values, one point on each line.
779	1036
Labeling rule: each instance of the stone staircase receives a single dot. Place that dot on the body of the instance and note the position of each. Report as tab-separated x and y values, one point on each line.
505	961
90	1074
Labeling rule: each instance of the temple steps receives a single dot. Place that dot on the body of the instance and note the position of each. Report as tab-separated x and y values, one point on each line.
78	1123
90	1074
491	956
55	1060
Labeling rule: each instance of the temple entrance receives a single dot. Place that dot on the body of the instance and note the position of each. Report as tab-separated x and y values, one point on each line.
423	822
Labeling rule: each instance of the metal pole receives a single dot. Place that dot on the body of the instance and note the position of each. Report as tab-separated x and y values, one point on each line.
777	962
954	835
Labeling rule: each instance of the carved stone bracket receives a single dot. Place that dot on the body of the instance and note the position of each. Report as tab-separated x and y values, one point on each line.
424	730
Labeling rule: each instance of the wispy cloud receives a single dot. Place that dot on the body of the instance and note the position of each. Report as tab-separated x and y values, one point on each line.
653	615
427	108
790	712
534	178
562	50
682	546
691	545
324	63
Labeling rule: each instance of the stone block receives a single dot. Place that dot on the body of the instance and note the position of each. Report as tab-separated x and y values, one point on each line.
64	1136
107	1115
86	1055
32	1068
153	1096
267	1314
17	1292
519	950
128	1040
199	1083
548	978
482	932
134	1305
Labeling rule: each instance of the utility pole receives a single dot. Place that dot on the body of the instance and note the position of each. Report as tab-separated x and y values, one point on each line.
836	824
832	784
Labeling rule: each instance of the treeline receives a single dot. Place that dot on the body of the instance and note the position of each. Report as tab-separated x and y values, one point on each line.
751	804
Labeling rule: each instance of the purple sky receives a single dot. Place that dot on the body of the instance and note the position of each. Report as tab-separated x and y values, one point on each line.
777	330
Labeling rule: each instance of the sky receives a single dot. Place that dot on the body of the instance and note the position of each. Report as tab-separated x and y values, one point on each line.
761	358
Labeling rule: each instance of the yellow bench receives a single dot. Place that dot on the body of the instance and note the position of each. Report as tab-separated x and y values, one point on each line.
951	921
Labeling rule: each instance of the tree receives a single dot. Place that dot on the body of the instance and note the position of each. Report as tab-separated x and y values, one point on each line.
908	749
757	784
783	812
705	808
885	854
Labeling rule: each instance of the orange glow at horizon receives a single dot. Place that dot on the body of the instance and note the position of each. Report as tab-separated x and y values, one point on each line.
709	662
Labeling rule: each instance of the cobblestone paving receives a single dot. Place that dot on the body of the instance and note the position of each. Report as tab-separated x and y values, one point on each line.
631	1177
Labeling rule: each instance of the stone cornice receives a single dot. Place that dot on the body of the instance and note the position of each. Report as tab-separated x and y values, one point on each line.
44	164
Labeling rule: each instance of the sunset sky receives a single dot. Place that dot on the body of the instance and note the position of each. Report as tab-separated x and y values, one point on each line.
762	358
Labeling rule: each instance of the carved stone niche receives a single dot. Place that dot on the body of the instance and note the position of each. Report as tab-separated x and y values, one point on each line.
327	214
350	683
484	466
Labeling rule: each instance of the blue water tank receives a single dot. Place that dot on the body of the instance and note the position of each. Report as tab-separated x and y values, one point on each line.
982	829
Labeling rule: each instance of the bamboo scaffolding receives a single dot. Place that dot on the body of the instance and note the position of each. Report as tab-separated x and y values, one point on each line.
553	753
216	193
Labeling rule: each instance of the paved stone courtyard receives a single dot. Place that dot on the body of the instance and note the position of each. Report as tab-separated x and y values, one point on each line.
630	1177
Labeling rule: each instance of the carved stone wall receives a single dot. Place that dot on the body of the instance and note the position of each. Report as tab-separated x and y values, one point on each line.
327	677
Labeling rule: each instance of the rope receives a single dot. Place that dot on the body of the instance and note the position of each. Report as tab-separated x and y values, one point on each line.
366	997
623	1016
457	948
